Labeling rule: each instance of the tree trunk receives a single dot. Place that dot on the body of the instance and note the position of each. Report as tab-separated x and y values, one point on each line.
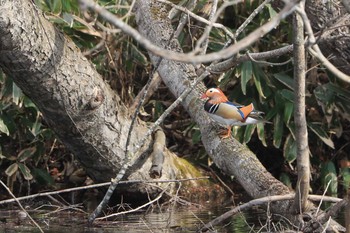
85	113
303	162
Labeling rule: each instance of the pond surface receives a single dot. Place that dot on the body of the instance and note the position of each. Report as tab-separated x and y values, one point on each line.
179	220
182	219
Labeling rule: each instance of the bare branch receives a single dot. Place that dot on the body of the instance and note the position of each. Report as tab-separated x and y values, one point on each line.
258	57
198	18
210	26
260	201
97	186
268	63
134	210
250	18
189	57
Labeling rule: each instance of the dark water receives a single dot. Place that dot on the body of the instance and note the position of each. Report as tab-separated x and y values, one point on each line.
179	220
188	219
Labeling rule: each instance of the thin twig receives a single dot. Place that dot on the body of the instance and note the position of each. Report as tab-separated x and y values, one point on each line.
250	18
324	194
198	18
97	186
207	30
214	6
190	57
260	201
20	205
134	210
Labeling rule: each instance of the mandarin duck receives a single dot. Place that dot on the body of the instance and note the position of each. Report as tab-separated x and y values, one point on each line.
227	113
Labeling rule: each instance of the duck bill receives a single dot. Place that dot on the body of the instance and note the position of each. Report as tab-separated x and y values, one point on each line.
204	96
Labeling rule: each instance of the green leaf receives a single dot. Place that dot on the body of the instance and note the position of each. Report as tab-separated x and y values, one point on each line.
278	131
42	176
288	95
285	79
261	133
3	127
272	12
12	169
321	133
285	179
55	6
137	55
26	153
291	127
290	149
25	171
68	18
16	94
329	174
246	75
273	112
257	74
196	136
9	121
336	125
345	173
249	130
288	112
158	109
28	103
257	82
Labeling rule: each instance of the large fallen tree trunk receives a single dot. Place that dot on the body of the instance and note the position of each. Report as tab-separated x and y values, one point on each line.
85	113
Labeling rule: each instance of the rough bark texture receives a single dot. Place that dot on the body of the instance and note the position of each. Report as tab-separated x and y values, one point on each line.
51	70
330	21
79	106
335	40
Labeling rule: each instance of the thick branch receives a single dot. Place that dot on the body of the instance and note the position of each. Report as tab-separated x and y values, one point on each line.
157	154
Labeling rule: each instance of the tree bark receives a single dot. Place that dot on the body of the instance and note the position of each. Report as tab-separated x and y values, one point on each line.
329	19
303	163
85	113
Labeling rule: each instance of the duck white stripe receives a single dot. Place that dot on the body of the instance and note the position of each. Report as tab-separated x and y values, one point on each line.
213	108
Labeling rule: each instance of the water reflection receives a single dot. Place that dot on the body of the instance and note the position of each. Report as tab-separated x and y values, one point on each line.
179	220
